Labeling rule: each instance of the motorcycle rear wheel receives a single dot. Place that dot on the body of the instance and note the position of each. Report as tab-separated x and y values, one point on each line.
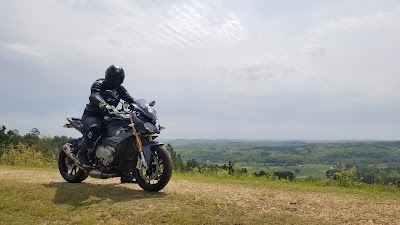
68	170
159	173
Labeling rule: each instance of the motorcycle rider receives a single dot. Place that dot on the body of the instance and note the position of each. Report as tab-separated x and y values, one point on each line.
102	103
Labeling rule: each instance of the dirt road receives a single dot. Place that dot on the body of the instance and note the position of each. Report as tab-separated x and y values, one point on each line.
244	204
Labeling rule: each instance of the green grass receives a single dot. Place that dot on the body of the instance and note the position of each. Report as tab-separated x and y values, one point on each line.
323	186
48	199
28	200
63	203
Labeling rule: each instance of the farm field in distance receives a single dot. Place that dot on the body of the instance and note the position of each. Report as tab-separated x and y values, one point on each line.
306	159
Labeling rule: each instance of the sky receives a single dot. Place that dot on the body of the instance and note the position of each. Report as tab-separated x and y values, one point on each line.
217	69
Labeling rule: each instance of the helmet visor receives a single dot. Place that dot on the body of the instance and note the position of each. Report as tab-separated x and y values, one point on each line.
115	81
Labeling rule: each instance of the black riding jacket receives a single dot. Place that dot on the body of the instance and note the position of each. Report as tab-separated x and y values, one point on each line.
100	96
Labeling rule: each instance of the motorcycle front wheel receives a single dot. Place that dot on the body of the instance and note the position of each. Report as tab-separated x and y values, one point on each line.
68	170
159	172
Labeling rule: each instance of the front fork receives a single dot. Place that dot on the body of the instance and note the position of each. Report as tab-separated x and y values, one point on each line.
139	144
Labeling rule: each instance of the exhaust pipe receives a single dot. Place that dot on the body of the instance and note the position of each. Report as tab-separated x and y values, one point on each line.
101	175
67	149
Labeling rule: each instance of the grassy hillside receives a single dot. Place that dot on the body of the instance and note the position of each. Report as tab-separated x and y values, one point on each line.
40	196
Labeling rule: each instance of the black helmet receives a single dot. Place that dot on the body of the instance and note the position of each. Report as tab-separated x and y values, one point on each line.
114	76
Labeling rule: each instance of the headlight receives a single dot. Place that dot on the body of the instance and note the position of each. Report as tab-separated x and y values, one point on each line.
151	128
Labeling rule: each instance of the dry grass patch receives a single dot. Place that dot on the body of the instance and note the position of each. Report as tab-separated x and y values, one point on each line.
40	196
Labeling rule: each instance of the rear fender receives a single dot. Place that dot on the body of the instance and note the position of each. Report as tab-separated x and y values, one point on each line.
146	148
76	123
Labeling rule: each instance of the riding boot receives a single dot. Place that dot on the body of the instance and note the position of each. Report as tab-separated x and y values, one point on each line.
127	175
83	156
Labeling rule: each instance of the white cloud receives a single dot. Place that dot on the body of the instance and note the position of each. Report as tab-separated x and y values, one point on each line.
197	24
355	55
20	50
235	65
381	20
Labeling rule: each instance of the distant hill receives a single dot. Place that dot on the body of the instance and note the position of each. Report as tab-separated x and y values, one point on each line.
287	152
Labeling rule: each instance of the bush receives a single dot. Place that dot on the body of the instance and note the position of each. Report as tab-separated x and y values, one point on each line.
22	155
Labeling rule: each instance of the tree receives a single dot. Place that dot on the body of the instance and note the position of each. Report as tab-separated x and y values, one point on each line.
35	132
190	164
343	174
3	136
32	137
176	159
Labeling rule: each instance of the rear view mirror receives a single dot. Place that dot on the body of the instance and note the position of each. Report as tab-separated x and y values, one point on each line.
152	103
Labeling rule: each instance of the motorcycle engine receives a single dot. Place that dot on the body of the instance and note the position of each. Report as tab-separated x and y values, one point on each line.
105	154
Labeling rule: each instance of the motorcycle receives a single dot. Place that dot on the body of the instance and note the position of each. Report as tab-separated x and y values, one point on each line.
128	138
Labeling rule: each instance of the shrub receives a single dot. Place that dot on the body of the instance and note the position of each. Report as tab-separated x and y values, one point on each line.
22	155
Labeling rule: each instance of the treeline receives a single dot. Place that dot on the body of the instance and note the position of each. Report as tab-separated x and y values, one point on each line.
370	173
292	153
356	162
30	149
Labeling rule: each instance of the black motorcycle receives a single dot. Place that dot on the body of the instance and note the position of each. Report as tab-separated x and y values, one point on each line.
128	138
